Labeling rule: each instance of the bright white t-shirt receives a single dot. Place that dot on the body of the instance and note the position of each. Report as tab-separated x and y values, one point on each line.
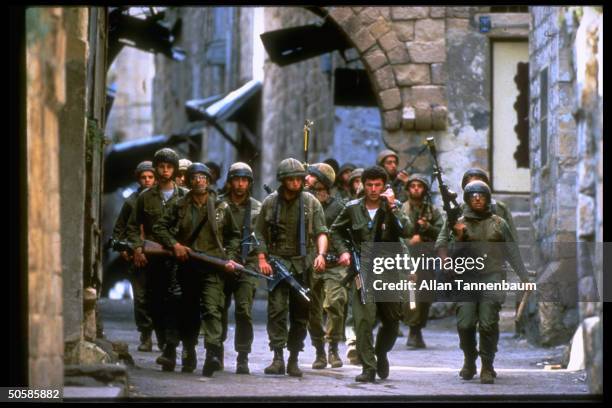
372	213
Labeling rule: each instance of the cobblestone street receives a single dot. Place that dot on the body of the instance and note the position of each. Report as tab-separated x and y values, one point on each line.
415	374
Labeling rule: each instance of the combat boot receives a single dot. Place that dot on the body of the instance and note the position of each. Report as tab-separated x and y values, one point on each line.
415	338
242	363
353	355
211	362
293	368
486	372
146	344
367	375
320	360
468	371
278	363
168	358
333	357
189	359
382	365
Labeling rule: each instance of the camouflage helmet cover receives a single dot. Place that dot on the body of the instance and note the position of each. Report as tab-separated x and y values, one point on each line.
419	177
290	168
324	173
184	164
384	154
240	169
146	165
474	172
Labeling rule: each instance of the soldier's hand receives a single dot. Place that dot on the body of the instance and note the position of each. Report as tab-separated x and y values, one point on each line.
389	195
181	252
423	223
415	239
345	259
459	230
140	260
126	256
231	266
403	176
264	266
319	264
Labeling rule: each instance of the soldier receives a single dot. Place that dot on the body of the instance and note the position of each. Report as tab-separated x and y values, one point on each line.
341	186
374	218
180	178
355	184
479	224
215	171
329	296
389	160
145	174
291	227
426	221
243	210
497	207
151	205
195	222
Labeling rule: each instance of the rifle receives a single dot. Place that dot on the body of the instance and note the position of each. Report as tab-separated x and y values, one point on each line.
355	267
151	248
449	197
282	273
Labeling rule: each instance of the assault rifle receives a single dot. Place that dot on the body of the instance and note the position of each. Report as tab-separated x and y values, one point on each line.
281	273
151	248
355	268
449	198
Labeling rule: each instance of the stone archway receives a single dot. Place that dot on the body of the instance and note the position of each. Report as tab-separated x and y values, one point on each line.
404	52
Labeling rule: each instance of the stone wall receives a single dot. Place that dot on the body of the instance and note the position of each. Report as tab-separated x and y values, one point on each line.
212	39
292	94
588	111
46	96
131	116
553	167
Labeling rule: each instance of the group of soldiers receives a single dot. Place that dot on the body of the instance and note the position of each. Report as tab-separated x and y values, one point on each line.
301	227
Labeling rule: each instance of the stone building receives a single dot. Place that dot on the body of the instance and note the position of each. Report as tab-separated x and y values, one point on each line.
566	130
65	78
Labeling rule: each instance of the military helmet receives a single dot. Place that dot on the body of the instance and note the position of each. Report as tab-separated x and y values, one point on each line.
345	167
476	186
384	154
474	172
290	168
166	155
240	169
419	177
184	164
196	168
324	173
146	165
355	174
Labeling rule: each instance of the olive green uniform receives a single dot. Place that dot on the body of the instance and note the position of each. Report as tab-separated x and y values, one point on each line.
200	282
328	295
484	310
356	216
417	318
277	230
242	286
499	209
160	274
138	277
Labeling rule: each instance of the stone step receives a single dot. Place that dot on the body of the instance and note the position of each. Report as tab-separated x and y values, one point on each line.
515	202
524	235
521	219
